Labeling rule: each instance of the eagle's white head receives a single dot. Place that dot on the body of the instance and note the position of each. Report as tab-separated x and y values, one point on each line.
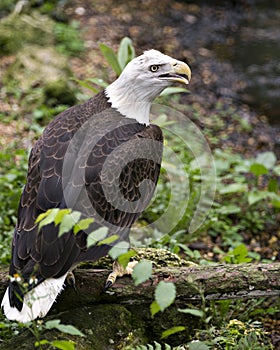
142	80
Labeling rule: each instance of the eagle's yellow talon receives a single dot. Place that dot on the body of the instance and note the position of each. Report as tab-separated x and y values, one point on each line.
71	280
119	271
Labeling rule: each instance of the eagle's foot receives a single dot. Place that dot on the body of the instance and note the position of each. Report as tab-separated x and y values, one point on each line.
119	271
71	280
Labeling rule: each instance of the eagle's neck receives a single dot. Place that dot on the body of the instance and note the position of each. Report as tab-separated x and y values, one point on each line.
129	101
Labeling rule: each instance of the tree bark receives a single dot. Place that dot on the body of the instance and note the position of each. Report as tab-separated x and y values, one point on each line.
121	316
192	283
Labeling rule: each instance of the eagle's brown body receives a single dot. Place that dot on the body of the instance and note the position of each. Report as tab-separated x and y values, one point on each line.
101	158
57	171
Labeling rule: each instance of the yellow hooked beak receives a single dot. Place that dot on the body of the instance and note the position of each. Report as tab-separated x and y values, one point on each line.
180	73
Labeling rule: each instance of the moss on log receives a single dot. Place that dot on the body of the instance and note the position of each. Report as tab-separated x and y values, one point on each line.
121	316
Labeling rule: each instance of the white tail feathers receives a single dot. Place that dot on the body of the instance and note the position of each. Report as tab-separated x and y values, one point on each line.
37	302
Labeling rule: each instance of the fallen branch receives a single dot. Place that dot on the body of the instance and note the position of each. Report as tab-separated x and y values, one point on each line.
124	310
212	282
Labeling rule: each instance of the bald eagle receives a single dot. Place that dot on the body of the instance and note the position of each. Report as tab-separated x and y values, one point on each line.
94	158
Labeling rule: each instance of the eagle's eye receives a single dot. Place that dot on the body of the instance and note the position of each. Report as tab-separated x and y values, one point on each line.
154	68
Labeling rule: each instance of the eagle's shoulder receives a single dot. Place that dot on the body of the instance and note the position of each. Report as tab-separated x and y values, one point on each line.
153	132
72	118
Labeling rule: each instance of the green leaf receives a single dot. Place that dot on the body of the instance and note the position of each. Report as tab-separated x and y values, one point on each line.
68	222
171	331
275	200
256	196
273	186
276	203
154	308
276	170
41	342
233	188
84	84
165	294
109	240
240	168
238	255
42	216
63	344
173	90
268	159
258	169
48	217
96	236
118	249
241	250
142	271
157	346
126	52
60	215
69	329
229	209
124	259
52	324
82	225
198	345
194	312
110	56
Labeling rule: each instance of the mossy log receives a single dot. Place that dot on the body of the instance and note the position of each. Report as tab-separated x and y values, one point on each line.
121	316
213	282
217	282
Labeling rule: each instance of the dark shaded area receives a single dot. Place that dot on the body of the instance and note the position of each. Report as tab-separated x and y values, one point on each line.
231	46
